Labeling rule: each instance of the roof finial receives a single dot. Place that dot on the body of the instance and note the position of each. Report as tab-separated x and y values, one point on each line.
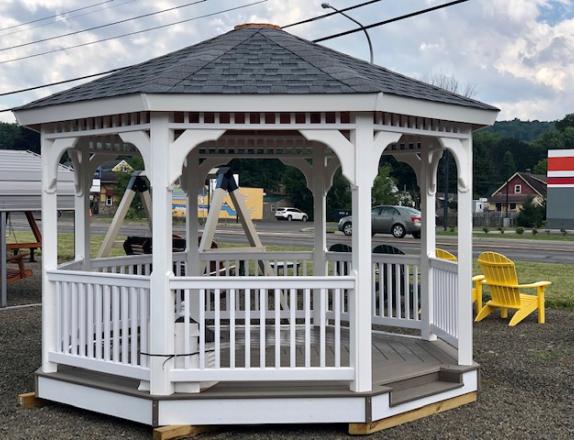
257	26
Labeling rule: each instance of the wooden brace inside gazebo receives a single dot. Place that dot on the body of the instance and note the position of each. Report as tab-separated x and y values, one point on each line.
161	339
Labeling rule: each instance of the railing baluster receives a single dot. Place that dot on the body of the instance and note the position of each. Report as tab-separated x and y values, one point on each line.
382	288
322	312
398	289
82	319
90	320
292	318
277	309
262	325
65	318
98	318
247	293
201	328
74	320
133	326
106	312
116	323
406	282
389	293
125	338
307	301
232	328
144	324
186	328
337	327
216	305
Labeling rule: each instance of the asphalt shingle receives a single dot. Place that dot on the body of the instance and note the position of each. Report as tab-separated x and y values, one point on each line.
255	61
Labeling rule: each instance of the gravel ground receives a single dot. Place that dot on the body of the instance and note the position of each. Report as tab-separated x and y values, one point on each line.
527	389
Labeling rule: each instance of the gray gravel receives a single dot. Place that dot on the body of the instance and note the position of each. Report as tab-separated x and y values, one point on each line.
527	390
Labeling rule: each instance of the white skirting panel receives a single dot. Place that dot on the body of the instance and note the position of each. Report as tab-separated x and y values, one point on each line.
262	411
381	408
97	400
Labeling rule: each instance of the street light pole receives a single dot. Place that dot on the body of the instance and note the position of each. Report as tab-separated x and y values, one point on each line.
329	6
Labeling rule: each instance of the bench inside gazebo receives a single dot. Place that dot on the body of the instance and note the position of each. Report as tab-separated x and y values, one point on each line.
350	337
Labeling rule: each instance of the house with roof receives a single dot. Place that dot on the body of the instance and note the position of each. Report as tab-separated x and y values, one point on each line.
520	187
104	193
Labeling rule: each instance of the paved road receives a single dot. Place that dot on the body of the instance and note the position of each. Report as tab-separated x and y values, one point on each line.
300	234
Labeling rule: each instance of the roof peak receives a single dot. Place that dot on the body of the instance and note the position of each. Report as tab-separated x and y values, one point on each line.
257	26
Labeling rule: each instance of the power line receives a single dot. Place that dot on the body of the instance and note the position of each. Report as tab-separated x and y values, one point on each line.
129	34
329	14
14	92
102	26
61	14
28	89
47	23
391	20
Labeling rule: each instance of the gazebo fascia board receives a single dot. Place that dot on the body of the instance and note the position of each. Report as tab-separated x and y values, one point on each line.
378	102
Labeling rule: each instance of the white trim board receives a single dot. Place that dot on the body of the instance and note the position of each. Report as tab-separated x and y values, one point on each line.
97	400
257	103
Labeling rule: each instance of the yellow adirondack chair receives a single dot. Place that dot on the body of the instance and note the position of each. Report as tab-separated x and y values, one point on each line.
500	276
476	280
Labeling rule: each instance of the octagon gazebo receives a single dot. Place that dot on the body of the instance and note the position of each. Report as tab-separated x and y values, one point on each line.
157	340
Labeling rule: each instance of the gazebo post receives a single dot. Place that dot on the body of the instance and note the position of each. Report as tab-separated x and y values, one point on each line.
51	153
362	139
162	326
320	227
462	151
430	157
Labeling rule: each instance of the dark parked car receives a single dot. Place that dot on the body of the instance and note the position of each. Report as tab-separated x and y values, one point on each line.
396	220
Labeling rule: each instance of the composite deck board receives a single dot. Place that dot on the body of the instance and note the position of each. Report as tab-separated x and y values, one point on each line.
395	358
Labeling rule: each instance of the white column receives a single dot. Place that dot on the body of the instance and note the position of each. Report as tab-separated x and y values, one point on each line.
319	213
428	235
362	139
162	317
465	318
51	153
193	262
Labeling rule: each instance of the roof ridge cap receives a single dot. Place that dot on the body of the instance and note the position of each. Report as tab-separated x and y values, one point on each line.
303	41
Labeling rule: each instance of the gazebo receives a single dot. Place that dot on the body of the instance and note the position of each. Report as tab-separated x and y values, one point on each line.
366	339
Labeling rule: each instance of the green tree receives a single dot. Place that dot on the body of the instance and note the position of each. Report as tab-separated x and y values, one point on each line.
339	196
296	188
508	165
531	215
384	187
564	123
541	167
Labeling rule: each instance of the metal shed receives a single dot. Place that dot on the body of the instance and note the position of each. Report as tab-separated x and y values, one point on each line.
20	191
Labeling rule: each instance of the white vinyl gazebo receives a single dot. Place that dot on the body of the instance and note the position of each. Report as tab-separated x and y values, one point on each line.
164	339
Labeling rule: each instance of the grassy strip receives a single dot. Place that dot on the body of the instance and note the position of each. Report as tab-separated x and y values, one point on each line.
560	295
512	235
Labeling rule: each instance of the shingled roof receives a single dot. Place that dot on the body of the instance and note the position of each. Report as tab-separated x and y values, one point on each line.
260	61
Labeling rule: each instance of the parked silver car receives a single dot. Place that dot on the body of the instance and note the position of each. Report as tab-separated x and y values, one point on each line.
396	220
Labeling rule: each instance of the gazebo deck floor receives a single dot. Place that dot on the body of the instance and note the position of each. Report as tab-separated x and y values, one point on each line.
395	359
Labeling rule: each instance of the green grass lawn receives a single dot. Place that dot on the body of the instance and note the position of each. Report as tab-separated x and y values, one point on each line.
559	295
512	235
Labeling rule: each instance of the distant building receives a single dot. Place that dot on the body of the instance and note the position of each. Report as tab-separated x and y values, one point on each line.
479	205
560	206
513	193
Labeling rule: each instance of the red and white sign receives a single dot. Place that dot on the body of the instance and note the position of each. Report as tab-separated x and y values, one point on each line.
560	168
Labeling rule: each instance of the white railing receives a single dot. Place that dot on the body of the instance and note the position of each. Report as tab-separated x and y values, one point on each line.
444	276
130	265
102	322
396	290
263	328
230	262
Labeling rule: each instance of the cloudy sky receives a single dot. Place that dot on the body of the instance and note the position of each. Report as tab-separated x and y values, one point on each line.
516	54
